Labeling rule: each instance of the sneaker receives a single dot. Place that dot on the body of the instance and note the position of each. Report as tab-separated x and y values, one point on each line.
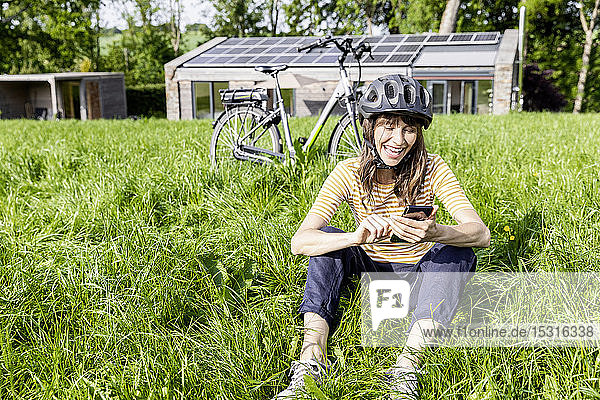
297	371
403	383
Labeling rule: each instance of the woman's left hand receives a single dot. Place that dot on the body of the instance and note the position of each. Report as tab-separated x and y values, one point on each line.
414	231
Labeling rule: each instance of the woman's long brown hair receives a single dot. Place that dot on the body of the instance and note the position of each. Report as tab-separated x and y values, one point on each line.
410	173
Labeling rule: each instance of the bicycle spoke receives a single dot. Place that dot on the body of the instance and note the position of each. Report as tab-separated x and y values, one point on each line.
351	143
243	126
347	143
230	135
253	143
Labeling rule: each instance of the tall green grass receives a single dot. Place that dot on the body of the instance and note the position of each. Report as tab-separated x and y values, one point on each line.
130	269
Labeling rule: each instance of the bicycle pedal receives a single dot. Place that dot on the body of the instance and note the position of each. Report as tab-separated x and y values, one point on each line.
302	140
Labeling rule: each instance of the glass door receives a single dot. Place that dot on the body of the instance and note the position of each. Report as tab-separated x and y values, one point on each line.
468	94
439	91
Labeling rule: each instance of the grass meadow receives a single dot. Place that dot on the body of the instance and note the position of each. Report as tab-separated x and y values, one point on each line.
131	270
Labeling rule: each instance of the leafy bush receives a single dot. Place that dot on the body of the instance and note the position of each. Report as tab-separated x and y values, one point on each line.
147	101
539	91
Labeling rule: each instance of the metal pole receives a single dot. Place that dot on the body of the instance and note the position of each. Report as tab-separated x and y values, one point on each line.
522	11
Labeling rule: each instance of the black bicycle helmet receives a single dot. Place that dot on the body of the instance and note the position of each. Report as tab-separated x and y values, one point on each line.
399	94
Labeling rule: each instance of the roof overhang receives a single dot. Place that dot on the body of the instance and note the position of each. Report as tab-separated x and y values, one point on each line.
59	76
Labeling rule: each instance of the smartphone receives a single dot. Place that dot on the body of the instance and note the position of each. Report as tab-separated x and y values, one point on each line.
418	213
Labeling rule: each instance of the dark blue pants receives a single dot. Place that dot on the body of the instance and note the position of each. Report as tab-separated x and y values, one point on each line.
330	272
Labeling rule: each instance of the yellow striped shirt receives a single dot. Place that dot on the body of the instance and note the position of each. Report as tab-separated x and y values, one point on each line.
343	184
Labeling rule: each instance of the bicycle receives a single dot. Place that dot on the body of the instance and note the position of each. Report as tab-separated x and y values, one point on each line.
246	130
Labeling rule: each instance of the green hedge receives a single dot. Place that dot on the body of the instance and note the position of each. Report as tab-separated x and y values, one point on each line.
147	101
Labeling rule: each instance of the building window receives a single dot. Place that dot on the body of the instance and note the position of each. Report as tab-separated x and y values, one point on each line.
288	99
484	97
207	100
438	90
71	101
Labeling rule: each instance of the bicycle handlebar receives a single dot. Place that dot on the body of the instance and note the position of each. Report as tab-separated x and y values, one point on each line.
344	45
318	43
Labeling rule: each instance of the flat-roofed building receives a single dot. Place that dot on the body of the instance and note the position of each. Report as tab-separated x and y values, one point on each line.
469	72
80	95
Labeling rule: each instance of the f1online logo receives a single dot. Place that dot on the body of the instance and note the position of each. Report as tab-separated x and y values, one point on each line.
389	300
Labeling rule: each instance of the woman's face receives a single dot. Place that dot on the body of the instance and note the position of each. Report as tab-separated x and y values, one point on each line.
394	139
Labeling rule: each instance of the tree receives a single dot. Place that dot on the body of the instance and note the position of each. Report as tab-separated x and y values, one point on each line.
487	15
360	16
47	36
448	23
554	41
144	47
587	49
238	18
412	16
273	7
310	17
175	22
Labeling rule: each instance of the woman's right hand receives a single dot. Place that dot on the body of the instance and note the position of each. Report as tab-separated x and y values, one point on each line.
372	229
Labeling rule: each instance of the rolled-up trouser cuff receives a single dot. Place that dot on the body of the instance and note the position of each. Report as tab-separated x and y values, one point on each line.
321	311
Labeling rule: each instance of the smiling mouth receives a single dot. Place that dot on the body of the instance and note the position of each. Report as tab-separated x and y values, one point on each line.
393	152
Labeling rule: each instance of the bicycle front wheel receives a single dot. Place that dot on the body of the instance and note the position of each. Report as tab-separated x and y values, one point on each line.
242	126
342	143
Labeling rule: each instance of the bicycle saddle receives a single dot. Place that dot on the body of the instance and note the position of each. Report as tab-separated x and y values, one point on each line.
269	69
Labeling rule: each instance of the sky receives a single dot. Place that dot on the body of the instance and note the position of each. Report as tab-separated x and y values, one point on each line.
194	11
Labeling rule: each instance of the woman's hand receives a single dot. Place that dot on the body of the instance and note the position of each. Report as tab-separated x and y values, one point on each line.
414	231
372	229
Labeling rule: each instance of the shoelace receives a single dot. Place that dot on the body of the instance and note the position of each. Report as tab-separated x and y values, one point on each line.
404	382
299	369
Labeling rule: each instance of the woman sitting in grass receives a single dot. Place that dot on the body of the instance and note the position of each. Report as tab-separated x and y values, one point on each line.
394	170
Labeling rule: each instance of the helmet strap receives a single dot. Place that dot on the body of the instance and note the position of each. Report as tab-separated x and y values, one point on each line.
379	164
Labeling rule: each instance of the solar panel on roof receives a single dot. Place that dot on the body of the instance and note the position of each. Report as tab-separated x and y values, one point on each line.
275	49
246	50
415	38
203	56
307	58
262	59
290	40
463	37
384	49
328	59
196	61
393	39
408	48
215	50
393	48
284	59
377	58
219	60
233	41
240	60
400	58
374	39
256	50
253	40
438	38
486	36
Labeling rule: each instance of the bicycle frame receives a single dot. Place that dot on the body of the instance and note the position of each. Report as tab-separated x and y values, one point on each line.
342	90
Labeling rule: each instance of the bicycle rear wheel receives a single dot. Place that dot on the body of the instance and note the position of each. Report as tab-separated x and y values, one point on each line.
241	126
342	143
